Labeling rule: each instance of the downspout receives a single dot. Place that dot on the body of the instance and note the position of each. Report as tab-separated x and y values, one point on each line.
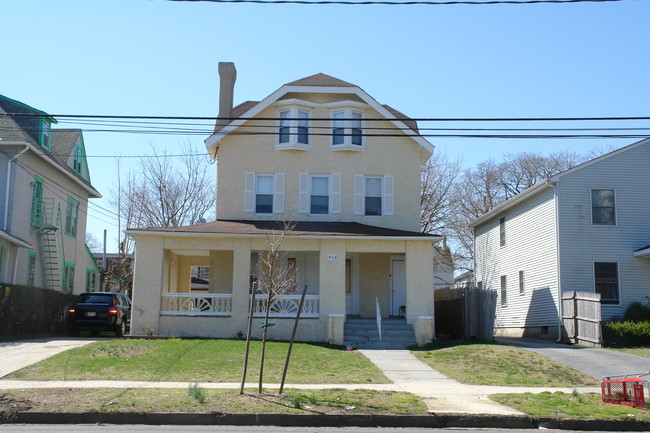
12	159
558	261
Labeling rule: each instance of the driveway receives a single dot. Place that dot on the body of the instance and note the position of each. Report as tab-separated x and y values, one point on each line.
20	354
593	361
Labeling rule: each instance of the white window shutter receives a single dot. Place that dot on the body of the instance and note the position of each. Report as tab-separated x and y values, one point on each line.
278	193
358	194
303	193
249	192
335	193
388	201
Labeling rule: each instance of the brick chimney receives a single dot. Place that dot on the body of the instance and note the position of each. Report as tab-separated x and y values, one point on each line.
227	77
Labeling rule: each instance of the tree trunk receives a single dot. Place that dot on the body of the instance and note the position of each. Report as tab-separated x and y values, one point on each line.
266	328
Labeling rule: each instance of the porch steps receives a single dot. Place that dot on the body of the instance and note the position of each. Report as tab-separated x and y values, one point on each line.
395	334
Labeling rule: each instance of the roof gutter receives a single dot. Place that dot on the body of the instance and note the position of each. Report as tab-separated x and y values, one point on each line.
8	188
537	188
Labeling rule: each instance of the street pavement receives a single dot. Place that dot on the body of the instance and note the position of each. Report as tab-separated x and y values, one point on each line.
596	362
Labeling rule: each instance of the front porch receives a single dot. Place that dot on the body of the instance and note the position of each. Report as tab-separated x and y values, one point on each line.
206	282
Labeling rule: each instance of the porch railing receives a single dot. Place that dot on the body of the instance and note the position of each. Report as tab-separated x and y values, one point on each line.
287	306
192	304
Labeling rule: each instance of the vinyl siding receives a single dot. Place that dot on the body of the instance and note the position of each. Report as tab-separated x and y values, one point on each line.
530	247
582	243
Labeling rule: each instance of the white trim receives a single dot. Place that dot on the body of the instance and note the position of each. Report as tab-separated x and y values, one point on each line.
347	144
14	240
213	141
293	112
329	193
642	253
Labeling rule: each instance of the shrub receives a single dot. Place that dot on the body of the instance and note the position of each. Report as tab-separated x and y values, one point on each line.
637	312
196	392
32	310
627	333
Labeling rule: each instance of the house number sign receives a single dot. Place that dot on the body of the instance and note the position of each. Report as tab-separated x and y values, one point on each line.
332	257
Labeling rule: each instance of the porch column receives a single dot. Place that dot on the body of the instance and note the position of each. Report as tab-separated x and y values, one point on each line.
332	288
241	272
419	289
147	285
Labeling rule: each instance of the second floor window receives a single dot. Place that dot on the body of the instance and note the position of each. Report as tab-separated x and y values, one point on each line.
264	193
319	195
45	134
293	128
373	196
71	217
502	231
603	207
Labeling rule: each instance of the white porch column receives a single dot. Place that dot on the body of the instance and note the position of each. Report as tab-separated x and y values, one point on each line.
332	288
241	272
419	289
147	285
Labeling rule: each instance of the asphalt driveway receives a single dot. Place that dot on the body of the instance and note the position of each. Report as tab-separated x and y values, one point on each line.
593	361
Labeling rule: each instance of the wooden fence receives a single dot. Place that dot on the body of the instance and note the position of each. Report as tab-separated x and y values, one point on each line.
581	318
466	312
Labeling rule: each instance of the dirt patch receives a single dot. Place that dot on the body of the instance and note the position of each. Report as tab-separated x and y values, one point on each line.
9	407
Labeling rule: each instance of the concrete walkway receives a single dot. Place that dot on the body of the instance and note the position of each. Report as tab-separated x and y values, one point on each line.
19	354
407	373
589	360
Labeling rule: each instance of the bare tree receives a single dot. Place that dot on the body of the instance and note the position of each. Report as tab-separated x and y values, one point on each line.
275	276
437	201
93	244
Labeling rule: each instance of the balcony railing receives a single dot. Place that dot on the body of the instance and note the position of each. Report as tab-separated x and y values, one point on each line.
192	304
287	306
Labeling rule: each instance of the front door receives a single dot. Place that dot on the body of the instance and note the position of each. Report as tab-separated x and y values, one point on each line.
398	287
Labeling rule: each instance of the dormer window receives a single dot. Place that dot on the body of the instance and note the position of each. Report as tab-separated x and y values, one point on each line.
77	159
347	130
293	128
45	134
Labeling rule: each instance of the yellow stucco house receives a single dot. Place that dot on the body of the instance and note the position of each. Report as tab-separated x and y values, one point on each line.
324	154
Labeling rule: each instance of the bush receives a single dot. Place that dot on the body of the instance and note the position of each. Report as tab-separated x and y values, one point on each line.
627	333
32	310
637	312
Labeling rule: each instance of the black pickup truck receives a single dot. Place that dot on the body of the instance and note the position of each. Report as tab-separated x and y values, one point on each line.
100	311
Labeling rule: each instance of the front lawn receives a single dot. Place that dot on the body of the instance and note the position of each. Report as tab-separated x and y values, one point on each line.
199	360
570	406
334	401
640	351
495	364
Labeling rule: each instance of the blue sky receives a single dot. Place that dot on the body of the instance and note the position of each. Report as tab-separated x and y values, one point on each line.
156	57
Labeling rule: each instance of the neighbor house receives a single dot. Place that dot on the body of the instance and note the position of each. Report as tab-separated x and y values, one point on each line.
584	229
44	202
345	169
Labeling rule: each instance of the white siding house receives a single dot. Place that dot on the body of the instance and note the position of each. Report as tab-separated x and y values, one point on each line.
585	229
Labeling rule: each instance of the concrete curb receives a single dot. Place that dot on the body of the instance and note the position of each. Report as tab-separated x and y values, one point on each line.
319	420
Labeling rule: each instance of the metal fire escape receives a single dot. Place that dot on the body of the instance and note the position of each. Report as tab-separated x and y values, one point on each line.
46	221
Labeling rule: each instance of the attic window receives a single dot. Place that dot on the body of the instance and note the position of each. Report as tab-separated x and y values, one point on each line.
347	130
293	128
77	159
45	134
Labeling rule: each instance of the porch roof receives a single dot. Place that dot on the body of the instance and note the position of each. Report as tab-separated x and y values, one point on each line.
300	229
643	252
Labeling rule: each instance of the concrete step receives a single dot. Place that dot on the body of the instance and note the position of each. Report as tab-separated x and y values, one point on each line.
395	334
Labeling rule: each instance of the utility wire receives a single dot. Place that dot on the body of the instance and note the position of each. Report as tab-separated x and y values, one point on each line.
404	3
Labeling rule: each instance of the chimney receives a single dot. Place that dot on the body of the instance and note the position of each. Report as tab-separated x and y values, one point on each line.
227	77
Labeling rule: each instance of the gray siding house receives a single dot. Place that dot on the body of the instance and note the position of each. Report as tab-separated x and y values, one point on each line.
44	196
585	229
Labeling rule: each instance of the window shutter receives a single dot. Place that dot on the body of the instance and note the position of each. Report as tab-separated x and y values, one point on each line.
335	193
278	193
303	193
249	192
388	202
358	194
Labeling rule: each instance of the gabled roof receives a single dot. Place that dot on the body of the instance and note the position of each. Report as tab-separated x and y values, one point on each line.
551	181
61	141
318	83
248	228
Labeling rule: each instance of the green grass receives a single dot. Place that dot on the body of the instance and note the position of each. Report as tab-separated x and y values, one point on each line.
494	364
198	360
570	406
334	401
640	351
